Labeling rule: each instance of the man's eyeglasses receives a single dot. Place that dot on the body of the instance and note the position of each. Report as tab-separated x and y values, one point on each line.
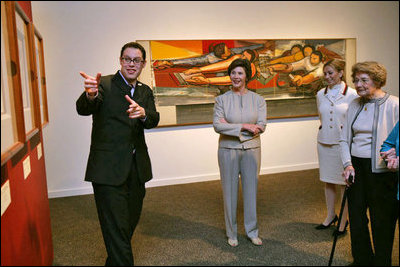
128	60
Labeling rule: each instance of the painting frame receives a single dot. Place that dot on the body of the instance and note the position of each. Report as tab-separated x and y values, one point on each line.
180	102
41	77
26	66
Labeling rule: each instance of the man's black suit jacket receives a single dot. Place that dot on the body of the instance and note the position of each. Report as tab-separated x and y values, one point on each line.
114	135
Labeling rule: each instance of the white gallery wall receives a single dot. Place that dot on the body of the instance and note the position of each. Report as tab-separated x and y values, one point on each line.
88	36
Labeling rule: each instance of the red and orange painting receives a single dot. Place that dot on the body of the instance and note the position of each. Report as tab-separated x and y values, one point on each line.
184	69
187	74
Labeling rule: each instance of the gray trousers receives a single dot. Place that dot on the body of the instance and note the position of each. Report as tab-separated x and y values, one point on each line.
246	163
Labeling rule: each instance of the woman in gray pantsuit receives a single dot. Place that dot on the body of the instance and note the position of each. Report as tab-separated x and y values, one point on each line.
240	118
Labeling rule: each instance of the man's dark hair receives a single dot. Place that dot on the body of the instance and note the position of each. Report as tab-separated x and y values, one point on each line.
134	45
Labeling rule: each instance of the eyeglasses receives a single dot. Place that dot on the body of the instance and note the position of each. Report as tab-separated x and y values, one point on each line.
363	81
128	60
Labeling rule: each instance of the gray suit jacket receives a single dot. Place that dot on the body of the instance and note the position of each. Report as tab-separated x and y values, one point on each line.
236	110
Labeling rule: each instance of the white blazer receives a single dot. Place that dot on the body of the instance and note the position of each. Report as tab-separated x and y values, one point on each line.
332	112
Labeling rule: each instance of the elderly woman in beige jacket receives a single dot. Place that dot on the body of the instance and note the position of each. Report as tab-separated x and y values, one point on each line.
370	119
240	118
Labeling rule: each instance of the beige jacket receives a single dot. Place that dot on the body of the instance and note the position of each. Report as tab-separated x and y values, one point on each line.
385	117
236	110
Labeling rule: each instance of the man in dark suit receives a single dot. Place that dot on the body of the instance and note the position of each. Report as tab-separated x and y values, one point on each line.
119	164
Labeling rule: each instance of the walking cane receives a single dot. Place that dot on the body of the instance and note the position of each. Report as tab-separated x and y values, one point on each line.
340	219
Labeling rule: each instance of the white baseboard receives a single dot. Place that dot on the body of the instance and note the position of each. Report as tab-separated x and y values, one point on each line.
184	180
71	192
289	168
212	177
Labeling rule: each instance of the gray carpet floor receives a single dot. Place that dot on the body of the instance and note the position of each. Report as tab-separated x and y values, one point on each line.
183	225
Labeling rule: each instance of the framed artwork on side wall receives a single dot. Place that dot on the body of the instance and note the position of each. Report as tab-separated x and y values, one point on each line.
187	75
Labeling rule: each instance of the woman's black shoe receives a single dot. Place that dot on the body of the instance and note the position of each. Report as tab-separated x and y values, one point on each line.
339	233
321	226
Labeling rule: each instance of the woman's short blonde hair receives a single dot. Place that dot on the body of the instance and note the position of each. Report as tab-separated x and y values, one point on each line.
376	71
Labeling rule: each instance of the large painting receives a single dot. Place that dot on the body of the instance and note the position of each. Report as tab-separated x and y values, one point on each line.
187	75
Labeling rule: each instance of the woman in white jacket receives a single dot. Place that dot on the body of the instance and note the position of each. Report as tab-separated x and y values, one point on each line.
332	103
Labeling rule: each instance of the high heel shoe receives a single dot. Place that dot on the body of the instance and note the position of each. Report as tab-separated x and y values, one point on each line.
322	226
339	233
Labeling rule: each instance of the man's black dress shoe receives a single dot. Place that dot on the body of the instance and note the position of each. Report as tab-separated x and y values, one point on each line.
321	226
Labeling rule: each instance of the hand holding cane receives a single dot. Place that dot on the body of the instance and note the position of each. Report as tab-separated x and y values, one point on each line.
340	218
